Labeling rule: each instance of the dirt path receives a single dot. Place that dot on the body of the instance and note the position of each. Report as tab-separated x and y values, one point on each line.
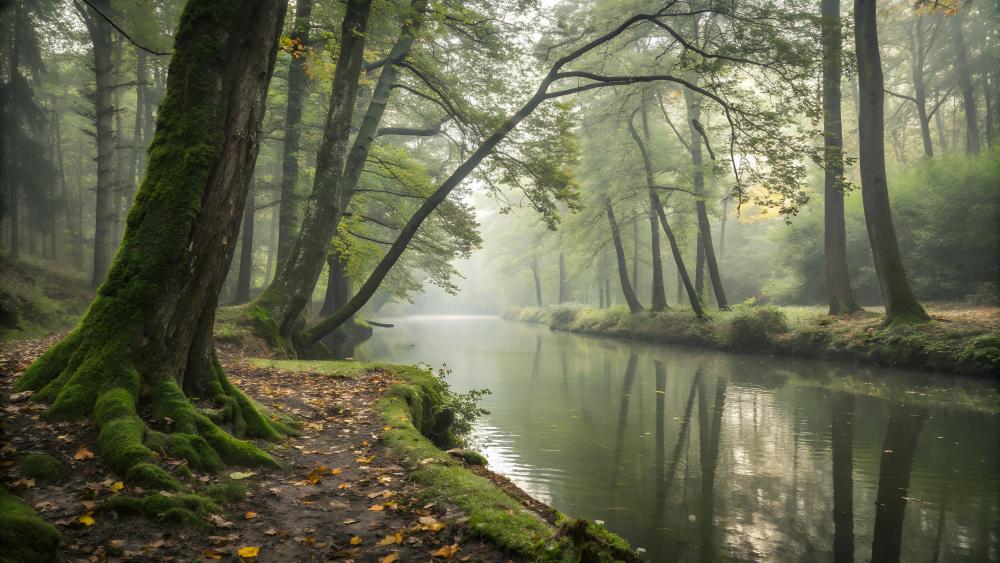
336	498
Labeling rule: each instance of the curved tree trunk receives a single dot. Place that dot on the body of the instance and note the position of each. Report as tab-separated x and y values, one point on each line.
145	344
682	272
900	303
838	281
288	212
633	303
658	294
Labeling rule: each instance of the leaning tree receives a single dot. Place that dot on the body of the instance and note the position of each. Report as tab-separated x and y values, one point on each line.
145	346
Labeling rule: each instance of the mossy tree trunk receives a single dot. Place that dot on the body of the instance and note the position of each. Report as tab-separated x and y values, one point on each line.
633	302
145	345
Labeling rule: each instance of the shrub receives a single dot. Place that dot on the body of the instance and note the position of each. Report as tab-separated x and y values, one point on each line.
752	327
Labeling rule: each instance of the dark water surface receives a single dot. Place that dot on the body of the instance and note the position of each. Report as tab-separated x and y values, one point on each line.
695	455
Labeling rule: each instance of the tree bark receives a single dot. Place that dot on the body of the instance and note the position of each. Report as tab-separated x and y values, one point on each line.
100	35
704	227
338	288
675	248
838	281
918	51
957	21
11	152
243	281
535	275
562	278
633	303
145	344
658	299
297	80
900	303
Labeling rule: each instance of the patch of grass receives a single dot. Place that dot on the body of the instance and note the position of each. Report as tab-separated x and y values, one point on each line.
24	536
332	368
410	409
946	344
41	467
37	298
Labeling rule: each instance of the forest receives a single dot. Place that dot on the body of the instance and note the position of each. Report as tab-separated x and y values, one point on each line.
481	280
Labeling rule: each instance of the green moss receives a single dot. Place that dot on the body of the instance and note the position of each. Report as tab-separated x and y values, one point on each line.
153	477
493	515
332	368
175	508
37	299
24	536
41	467
228	492
266	327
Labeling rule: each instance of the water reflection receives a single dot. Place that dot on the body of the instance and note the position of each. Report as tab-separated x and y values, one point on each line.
792	461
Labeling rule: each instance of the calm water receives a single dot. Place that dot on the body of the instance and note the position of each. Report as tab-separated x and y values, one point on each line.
696	455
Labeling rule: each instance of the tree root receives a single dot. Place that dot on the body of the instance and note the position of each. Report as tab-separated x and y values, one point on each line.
141	417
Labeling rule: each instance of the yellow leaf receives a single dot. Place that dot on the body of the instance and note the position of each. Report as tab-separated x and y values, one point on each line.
364	460
391	539
117	486
83	453
430	523
391	558
447	552
376	508
336	471
87	520
241	474
212	553
356	540
248	552
250	515
343	485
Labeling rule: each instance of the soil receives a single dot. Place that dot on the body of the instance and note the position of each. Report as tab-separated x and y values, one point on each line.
337	496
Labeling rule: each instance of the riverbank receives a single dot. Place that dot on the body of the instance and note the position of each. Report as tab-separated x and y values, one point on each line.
366	479
959	340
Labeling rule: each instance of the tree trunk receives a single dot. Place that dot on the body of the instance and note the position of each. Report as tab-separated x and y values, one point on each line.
633	303
11	152
100	35
145	344
900	303
338	287
901	437
119	153
918	50
538	281
675	248
297	80
562	278
658	299
699	265
838	281
243	282
705	246
957	21
939	121
635	249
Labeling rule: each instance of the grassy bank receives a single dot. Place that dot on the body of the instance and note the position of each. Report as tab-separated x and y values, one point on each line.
959	340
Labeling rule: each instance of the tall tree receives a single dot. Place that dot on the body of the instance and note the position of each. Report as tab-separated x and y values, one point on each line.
972	143
297	80
100	32
658	299
900	303
146	339
838	281
633	302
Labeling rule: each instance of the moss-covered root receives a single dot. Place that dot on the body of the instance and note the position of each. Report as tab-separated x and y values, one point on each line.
106	386
24	536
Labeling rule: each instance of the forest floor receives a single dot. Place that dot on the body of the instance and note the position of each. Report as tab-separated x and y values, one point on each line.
959	339
338	496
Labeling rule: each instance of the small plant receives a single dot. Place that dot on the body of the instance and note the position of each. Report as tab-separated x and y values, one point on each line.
750	327
464	406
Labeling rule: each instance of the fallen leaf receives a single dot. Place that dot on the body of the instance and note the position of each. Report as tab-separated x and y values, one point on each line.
376	508
356	540
343	485
117	486
248	552
212	553
316	475
17	397
446	552
86	520
336	471
391	539
250	515
83	454
392	557
430	523
219	521
24	482
271	532
364	460
241	474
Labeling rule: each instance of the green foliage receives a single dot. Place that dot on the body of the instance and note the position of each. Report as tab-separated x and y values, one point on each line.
24	536
41	467
753	327
177	508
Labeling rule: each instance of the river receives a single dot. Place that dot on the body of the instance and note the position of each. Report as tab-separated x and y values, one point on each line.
697	455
